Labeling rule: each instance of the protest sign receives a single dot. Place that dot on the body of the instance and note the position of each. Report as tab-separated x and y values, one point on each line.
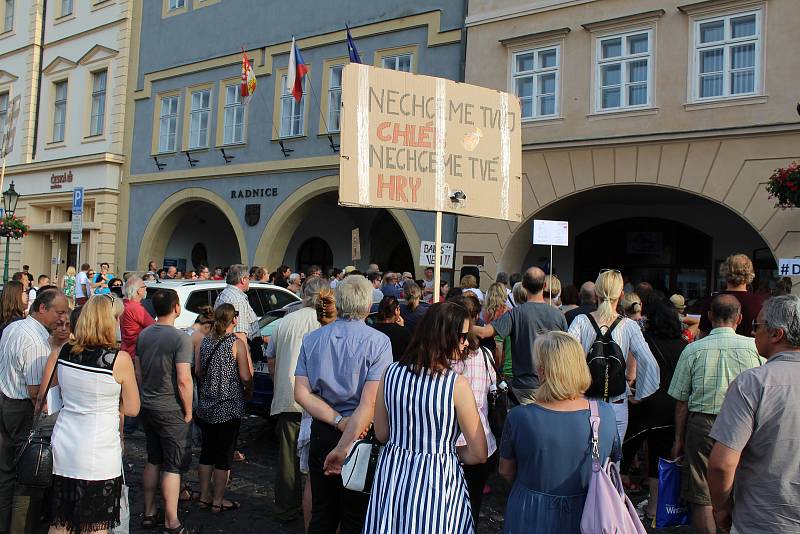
427	254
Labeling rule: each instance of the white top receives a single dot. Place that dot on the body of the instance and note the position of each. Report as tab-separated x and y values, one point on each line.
86	443
24	348
284	346
81	280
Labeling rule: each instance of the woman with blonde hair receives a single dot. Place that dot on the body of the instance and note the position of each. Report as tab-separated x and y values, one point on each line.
552	290
87	452
67	285
550	470
627	334
738	273
415	308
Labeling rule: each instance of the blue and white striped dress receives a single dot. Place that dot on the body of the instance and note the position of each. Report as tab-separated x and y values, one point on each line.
419	485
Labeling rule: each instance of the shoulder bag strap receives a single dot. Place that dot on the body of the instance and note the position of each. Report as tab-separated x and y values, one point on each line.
599	334
213	351
613	325
38	408
487	356
594	422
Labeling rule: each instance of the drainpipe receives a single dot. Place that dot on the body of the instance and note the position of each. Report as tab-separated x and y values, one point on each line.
39	81
462	74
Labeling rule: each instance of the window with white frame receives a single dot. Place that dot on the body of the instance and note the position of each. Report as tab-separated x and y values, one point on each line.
168	124
624	67
199	117
334	97
727	59
3	113
8	22
292	111
233	129
97	118
399	62
176	4
535	75
59	111
66	7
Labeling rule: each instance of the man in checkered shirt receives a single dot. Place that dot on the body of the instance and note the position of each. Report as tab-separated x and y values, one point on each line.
235	293
704	371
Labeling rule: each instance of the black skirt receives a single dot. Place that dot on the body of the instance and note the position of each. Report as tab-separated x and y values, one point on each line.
81	506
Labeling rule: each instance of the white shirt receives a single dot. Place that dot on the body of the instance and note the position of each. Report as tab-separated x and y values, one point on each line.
24	348
81	281
284	347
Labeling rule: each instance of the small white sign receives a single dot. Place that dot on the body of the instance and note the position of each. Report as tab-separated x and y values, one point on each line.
789	267
550	232
76	236
427	254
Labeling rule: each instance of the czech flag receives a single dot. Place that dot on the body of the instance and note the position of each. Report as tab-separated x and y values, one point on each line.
297	70
248	79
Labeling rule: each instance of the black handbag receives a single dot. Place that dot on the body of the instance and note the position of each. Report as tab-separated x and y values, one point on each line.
34	460
496	399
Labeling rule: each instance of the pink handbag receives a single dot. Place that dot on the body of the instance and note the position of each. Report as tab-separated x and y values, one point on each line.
607	510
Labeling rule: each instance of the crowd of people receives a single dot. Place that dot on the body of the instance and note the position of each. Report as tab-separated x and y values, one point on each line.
417	369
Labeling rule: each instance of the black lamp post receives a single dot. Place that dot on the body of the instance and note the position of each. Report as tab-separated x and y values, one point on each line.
10	198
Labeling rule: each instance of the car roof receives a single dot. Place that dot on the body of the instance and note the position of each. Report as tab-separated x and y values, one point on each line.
171	284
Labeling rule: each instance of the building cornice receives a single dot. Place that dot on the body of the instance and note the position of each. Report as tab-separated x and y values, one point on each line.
538	36
627	19
715	5
530	8
55	164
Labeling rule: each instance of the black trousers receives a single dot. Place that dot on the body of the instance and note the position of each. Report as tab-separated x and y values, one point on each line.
333	506
476	477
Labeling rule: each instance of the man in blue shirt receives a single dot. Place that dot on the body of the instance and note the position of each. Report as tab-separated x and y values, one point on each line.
101	280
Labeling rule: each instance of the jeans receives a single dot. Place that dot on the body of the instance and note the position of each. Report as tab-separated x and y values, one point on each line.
621	413
333	506
288	482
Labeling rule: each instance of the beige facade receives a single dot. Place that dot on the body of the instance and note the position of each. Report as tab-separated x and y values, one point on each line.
654	108
70	126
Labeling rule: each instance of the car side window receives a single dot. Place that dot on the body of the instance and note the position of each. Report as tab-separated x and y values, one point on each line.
255	302
278	299
196	300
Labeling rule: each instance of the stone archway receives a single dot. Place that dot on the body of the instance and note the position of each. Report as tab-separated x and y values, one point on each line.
165	220
287	217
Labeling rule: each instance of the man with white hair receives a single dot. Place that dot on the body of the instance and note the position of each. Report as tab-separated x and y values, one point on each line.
336	381
235	293
757	432
295	284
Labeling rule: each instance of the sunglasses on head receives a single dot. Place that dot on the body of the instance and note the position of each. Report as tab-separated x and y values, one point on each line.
610	271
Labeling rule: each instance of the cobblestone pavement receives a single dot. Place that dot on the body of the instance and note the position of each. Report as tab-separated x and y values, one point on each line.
252	486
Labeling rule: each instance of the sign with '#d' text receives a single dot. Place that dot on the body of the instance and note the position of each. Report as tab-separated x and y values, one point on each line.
550	232
427	254
789	267
425	143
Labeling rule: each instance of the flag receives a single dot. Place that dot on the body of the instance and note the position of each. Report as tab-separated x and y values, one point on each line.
248	79
297	70
351	49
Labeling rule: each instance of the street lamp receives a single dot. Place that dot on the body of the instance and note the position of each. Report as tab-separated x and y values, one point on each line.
10	199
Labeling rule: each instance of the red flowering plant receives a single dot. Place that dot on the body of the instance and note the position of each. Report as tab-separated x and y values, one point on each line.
784	186
12	227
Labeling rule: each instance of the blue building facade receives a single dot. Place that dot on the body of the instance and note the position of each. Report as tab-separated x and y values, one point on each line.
212	181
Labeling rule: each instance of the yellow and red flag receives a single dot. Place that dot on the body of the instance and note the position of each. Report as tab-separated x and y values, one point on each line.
248	79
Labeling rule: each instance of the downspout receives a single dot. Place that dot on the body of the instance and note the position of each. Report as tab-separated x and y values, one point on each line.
464	8
39	81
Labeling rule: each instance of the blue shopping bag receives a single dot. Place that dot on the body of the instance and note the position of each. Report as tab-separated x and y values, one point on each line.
671	511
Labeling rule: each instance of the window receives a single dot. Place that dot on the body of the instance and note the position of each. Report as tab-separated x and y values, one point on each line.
623	71
234	116
334	97
66	8
168	124
59	111
176	4
727	56
8	20
97	118
199	117
3	114
535	78
292	112
399	62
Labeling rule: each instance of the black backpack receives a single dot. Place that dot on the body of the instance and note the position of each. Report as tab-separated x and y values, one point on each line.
606	364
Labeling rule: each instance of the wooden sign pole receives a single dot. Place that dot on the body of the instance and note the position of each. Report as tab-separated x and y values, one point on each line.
437	262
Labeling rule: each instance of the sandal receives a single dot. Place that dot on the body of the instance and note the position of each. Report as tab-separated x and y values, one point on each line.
238	456
193	495
233	506
151	521
204	505
182	529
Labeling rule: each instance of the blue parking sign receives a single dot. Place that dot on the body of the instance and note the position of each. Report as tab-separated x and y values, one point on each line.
77	200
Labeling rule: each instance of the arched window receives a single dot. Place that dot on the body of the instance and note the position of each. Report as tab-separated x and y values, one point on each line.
314	251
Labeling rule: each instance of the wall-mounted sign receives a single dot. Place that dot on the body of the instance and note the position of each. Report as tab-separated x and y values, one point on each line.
255	193
57	181
789	267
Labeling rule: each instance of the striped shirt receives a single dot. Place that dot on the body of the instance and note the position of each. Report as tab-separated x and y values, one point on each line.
708	366
248	320
628	335
24	349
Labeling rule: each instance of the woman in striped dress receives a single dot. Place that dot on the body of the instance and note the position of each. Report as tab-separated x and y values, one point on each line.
422	407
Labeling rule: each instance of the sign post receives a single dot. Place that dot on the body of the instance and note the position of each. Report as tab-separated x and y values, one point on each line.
76	236
550	233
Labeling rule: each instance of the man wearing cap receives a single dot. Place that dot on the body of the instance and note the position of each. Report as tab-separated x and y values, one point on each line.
690	323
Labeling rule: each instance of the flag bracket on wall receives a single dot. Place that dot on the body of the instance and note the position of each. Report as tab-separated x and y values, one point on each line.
226	157
286	151
192	161
334	146
159	166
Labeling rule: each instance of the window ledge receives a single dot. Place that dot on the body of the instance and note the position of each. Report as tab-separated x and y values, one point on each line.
64	18
326	134
96	6
289	138
196	150
726	102
541	121
9	33
93	138
243	144
160	154
54	144
611	114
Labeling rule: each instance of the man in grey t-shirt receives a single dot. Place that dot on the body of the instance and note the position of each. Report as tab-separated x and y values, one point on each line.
754	468
165	358
523	324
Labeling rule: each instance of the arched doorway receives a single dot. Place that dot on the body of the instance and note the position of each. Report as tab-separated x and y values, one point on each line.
388	246
314	251
191	225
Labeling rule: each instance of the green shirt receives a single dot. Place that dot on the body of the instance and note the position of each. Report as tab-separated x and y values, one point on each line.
707	366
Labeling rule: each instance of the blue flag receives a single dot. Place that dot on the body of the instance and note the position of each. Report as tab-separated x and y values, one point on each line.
351	49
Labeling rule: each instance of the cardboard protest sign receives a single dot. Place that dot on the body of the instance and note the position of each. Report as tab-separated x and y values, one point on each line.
425	143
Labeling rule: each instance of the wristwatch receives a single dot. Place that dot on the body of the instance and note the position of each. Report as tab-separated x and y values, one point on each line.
336	421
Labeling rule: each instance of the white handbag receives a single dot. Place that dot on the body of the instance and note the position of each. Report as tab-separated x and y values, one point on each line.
361	463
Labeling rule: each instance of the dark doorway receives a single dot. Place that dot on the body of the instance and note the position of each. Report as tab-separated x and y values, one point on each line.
389	248
670	255
314	251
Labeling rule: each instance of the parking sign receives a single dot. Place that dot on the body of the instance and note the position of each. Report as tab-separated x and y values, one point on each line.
77	201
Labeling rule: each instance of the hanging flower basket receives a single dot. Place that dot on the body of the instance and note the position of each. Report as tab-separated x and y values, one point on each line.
12	227
784	186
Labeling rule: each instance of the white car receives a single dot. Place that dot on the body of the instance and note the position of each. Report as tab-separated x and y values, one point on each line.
194	294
